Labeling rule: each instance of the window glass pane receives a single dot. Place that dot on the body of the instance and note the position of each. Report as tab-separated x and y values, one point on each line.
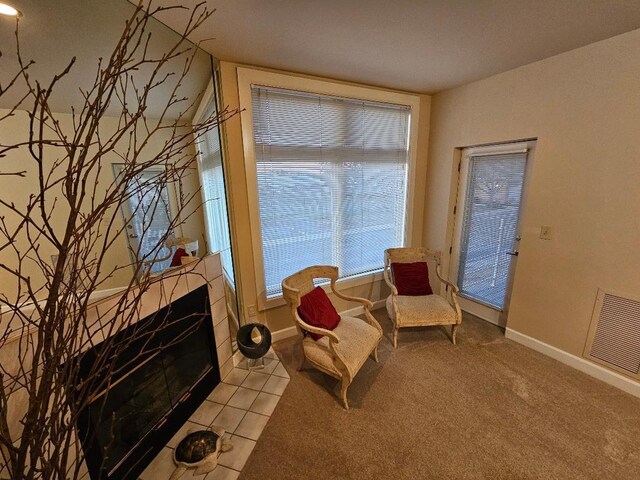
371	208
331	181
148	217
297	218
489	225
215	200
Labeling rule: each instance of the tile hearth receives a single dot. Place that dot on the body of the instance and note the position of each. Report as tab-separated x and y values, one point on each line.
241	404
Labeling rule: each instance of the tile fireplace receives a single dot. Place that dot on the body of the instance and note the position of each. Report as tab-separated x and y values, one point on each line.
157	389
241	403
165	368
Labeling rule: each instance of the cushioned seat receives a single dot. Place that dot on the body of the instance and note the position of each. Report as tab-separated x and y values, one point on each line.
421	310
356	338
342	349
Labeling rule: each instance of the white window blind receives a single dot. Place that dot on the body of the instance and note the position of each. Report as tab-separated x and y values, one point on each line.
332	177
215	201
490	220
151	219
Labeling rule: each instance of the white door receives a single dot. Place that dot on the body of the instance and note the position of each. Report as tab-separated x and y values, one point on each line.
148	216
487	227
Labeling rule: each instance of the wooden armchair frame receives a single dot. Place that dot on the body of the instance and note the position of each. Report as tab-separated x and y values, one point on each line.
301	283
419	254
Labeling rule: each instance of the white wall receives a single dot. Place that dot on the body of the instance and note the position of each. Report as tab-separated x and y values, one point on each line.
584	108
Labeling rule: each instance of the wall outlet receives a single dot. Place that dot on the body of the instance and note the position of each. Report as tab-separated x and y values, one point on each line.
545	232
252	310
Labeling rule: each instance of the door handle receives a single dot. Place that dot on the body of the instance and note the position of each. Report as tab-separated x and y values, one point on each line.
512	252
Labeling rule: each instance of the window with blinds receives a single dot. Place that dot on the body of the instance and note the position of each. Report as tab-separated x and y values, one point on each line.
489	225
332	180
215	201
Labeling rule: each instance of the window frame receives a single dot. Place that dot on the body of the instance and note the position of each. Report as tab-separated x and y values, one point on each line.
248	77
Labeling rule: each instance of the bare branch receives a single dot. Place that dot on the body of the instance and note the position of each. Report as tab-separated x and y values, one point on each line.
57	242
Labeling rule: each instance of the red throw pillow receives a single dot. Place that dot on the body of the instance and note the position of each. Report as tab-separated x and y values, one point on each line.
175	261
316	309
411	278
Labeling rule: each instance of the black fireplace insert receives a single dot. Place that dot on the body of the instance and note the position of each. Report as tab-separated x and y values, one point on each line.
165	367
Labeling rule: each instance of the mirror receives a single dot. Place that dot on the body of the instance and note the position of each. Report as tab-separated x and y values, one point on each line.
51	34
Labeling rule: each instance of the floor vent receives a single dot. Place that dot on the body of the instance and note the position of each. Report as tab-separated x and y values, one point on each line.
614	336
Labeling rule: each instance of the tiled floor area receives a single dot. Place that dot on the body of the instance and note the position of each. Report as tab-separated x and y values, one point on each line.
241	404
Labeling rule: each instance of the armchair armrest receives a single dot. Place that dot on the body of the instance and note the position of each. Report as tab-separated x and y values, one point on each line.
368	305
364	301
387	280
333	338
454	287
453	294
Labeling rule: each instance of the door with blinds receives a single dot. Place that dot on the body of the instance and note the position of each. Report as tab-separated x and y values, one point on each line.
487	233
148	216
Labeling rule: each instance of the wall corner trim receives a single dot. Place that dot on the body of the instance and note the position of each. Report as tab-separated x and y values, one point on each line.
612	378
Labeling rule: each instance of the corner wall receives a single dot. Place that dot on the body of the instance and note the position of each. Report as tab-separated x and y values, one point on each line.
583	107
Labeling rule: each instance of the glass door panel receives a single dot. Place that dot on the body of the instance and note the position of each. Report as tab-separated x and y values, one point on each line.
489	226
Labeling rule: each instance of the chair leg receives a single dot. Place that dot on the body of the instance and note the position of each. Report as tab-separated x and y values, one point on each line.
454	330
301	363
375	354
395	337
343	392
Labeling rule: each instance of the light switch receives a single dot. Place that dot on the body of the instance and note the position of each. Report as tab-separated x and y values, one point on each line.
545	232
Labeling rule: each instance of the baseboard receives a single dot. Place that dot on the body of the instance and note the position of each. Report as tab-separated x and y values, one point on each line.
612	378
283	334
100	294
484	318
359	310
378	304
237	357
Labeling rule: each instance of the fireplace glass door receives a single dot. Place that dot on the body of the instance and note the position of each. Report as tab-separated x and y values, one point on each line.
159	362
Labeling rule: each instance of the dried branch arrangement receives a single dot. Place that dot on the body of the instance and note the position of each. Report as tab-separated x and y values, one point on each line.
74	215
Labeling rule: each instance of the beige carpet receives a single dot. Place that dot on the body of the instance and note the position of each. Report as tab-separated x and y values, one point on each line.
487	408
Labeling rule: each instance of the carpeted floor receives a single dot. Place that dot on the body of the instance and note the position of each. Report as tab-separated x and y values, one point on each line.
487	408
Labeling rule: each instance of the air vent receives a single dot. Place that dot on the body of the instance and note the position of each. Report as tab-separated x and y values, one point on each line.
614	337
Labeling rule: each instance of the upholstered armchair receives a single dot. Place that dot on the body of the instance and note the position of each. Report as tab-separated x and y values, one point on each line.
340	352
423	310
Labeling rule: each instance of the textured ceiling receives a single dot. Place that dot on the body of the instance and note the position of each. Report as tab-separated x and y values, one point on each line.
420	45
52	32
